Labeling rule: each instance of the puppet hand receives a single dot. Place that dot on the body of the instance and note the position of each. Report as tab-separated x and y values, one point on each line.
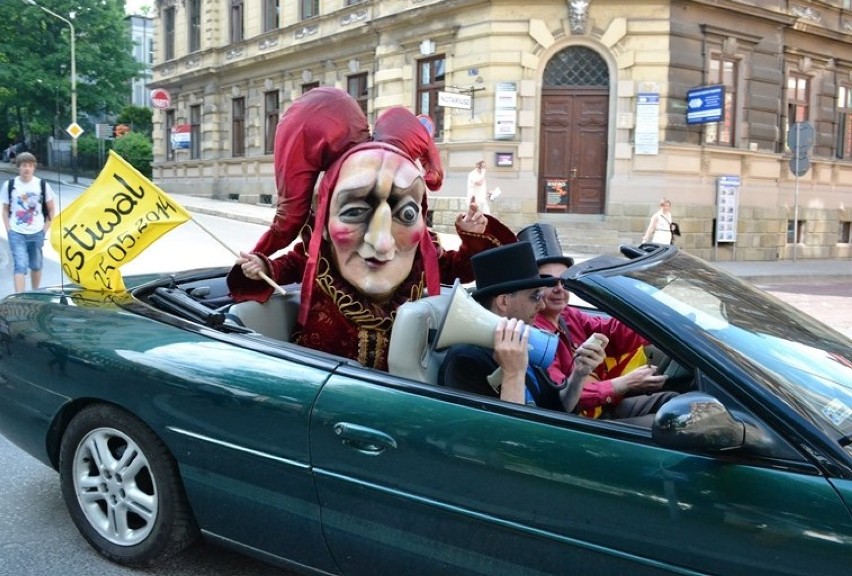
252	265
474	221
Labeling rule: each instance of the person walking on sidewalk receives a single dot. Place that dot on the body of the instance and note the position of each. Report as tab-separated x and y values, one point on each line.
28	209
476	188
660	228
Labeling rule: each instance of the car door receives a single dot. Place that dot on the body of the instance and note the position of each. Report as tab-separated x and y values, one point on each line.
420	480
237	420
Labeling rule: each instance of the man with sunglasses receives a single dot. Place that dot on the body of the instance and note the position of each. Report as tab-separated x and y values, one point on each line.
608	392
508	284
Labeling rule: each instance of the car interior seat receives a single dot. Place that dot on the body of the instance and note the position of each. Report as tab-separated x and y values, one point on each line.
274	318
410	353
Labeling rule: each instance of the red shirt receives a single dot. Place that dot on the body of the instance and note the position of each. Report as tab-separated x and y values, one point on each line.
574	328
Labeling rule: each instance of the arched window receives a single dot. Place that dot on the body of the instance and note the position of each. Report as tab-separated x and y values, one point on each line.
576	66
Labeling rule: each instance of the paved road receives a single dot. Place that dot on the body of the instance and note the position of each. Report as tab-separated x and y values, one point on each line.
828	299
37	537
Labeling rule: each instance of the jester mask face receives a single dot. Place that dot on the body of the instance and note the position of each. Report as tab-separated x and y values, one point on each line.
375	220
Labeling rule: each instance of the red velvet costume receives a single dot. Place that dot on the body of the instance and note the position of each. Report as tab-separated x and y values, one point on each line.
334	316
574	328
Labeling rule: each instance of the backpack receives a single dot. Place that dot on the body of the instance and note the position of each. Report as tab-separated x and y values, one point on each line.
44	213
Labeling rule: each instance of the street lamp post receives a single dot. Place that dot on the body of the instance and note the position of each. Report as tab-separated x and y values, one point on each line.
73	81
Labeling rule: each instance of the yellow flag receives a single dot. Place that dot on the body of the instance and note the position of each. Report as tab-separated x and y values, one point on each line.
111	223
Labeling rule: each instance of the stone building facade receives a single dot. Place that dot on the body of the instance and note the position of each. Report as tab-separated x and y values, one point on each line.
586	112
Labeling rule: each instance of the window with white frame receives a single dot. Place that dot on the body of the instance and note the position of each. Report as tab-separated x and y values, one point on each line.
724	71
798	99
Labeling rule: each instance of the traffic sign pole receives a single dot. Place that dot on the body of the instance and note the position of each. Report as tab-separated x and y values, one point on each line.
800	138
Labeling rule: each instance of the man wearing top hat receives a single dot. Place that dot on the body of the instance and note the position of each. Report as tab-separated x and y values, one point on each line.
610	391
509	285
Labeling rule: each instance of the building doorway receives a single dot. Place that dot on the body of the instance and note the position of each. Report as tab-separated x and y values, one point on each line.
574	129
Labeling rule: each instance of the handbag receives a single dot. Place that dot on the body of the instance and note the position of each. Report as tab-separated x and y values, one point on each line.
675	229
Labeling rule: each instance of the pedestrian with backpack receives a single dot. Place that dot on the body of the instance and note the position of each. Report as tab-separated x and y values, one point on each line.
28	209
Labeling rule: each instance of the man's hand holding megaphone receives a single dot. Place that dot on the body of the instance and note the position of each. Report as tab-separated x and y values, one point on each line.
511	351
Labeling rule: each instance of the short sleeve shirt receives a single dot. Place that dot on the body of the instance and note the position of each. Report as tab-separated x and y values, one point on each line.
25	216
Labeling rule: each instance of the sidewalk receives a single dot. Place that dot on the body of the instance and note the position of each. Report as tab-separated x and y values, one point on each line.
763	271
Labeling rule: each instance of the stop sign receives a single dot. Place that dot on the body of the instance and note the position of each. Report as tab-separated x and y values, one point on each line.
160	98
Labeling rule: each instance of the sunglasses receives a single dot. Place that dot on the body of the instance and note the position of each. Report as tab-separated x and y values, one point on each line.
536	296
562	281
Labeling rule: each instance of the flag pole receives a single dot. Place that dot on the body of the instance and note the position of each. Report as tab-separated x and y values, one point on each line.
266	278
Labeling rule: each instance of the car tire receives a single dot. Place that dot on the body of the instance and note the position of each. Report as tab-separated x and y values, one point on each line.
122	488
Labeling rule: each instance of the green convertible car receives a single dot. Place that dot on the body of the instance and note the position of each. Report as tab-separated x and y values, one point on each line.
171	414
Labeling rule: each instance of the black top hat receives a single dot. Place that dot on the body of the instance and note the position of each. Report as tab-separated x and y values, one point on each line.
506	269
545	243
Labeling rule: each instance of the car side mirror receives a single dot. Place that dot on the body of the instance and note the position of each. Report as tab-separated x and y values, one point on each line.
697	422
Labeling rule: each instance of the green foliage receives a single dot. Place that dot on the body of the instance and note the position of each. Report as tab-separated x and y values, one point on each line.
35	61
137	150
139	117
87	145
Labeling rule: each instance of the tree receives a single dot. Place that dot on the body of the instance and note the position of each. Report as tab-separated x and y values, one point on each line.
35	60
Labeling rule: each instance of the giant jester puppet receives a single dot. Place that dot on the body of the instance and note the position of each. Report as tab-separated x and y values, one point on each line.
364	245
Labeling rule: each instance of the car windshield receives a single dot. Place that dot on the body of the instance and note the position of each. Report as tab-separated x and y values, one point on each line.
802	361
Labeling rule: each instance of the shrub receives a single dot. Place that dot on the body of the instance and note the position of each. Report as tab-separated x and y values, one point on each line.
137	150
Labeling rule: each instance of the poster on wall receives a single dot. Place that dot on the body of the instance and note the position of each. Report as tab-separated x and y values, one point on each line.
505	110
646	138
181	136
727	200
556	195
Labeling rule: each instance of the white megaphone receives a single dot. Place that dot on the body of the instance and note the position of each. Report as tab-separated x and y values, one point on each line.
467	322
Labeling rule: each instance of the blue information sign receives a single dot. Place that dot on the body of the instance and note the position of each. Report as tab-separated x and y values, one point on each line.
705	104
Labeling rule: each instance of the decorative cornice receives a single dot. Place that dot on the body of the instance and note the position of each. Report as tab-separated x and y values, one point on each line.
233	53
353	17
306	31
807	13
193	62
267	43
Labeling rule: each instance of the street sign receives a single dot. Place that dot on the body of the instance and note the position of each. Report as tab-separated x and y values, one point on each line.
705	104
800	165
75	130
454	100
103	131
800	138
160	98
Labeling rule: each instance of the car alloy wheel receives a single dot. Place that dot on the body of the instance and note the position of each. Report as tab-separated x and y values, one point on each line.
122	488
115	486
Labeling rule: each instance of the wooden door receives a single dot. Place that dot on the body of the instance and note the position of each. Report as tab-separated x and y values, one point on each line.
573	150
